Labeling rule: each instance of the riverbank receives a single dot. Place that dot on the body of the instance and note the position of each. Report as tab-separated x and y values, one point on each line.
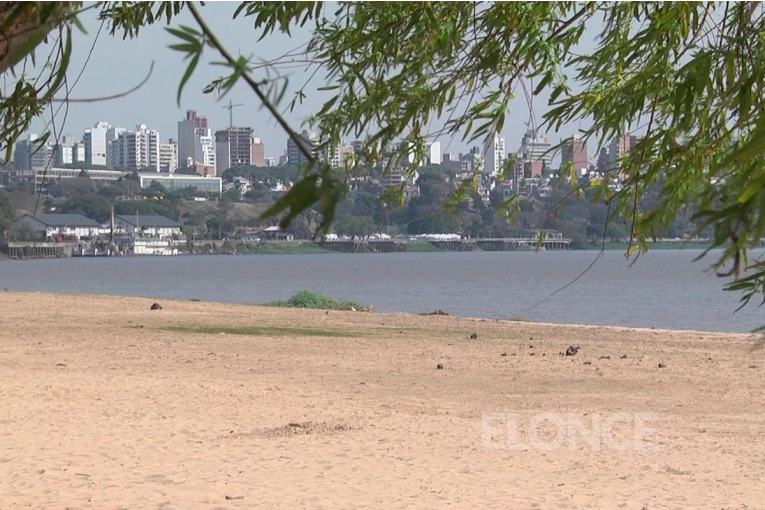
107	403
308	248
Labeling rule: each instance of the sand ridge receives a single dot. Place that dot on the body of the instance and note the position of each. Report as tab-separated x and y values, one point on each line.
102	406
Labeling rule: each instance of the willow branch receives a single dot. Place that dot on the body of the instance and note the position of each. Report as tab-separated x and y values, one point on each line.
107	98
213	40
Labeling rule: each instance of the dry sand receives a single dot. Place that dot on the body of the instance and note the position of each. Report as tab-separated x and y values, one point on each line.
102	407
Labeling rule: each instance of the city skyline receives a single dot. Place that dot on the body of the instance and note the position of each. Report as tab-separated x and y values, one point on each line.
155	104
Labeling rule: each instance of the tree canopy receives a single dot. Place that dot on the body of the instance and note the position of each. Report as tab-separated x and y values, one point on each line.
685	77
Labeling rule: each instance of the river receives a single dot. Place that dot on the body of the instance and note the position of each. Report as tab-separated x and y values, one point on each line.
663	289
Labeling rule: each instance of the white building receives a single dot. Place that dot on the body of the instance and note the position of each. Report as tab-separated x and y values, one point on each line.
341	157
207	149
64	153
147	226
168	157
179	181
96	144
535	147
137	149
495	156
270	161
49	227
434	153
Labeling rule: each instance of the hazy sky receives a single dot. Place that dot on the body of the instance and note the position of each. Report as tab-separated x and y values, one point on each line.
117	65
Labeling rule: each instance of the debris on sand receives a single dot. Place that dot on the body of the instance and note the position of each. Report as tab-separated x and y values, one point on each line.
474	336
436	312
572	350
439	366
156	306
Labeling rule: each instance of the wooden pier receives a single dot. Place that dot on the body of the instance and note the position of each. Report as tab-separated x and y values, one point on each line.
507	244
365	246
396	245
34	250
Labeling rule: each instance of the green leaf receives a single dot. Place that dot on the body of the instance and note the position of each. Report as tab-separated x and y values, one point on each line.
186	75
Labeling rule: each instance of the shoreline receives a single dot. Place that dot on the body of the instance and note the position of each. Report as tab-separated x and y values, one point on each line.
312	248
376	313
210	405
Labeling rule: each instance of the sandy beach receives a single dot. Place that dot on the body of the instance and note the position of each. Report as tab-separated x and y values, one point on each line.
105	403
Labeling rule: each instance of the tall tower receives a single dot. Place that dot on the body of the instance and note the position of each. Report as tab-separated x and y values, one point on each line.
191	143
574	151
495	156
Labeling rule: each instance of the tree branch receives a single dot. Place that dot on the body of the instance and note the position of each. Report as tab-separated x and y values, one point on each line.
107	98
213	40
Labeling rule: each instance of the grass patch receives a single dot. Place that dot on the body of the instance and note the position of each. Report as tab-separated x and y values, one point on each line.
281	248
518	318
258	331
309	299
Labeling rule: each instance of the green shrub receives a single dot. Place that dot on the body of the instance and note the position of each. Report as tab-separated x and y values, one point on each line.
309	299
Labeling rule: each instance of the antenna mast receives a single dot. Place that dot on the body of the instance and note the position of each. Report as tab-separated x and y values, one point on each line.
230	109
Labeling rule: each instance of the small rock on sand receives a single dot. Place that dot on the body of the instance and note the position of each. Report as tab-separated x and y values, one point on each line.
156	306
440	366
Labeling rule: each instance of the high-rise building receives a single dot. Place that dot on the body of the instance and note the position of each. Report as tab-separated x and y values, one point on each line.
96	144
137	149
233	148
603	161
434	153
495	156
207	144
452	161
168	156
112	134
574	151
619	147
518	171
341	157
78	153
533	169
65	153
309	141
30	154
535	147
195	141
257	153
